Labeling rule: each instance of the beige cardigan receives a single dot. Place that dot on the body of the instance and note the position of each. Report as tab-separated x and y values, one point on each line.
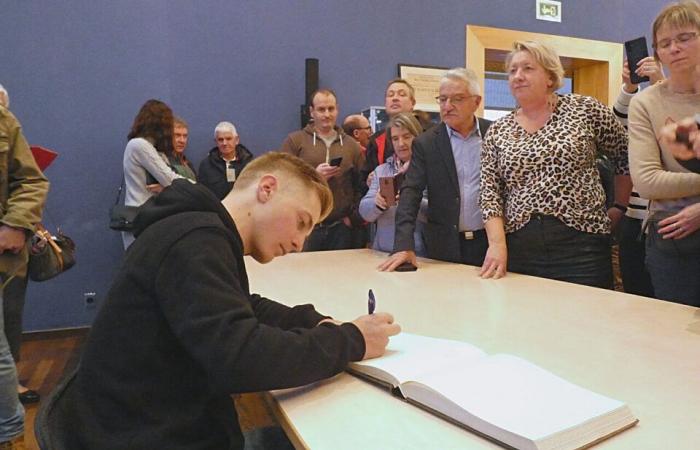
656	175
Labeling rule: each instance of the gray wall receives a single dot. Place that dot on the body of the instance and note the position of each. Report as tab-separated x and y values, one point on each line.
78	71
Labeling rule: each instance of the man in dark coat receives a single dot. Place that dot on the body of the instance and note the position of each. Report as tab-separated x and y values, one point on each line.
219	169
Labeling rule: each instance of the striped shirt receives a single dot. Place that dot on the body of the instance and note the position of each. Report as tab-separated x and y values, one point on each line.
638	207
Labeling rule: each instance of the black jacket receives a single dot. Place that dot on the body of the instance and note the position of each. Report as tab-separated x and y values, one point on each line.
432	167
179	332
212	170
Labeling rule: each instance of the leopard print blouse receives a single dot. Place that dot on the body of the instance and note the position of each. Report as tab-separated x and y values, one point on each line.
553	170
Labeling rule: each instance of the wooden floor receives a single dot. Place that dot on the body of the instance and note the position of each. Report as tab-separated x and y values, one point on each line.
47	356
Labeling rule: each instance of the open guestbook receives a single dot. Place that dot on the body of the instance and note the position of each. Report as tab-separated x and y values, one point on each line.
501	397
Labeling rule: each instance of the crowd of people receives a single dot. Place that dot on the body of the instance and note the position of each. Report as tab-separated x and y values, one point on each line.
522	194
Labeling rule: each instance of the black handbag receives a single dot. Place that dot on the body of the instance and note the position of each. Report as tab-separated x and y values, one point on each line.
50	255
121	217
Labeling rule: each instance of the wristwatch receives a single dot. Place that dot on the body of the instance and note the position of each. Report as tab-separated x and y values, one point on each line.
622	208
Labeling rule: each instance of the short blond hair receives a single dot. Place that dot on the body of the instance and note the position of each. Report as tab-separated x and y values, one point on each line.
286	165
545	56
677	15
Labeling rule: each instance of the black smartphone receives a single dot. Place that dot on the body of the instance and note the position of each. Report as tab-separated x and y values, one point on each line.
406	267
636	50
336	161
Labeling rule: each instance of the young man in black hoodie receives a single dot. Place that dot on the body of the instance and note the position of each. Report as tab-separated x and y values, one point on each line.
179	331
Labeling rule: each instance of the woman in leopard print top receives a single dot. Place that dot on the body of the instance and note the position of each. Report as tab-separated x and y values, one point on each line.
539	180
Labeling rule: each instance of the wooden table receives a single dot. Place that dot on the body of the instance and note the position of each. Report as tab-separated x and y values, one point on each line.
642	351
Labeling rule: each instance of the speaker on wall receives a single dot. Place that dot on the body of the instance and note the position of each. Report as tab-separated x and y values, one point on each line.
311	83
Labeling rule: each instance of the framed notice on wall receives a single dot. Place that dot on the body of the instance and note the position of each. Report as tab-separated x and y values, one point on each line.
425	81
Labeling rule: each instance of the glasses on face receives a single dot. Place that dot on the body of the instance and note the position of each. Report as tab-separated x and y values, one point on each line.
454	100
681	39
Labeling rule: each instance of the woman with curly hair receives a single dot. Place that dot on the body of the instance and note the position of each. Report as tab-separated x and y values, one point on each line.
146	155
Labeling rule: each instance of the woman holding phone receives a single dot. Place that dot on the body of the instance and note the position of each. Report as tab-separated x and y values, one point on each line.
375	206
673	240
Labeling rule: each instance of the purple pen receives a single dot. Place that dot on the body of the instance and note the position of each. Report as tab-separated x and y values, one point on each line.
371	302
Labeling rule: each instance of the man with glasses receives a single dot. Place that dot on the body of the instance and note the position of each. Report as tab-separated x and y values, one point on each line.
358	127
219	169
399	97
446	161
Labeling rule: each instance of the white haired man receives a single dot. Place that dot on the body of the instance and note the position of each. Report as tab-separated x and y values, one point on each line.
446	161
4	97
219	169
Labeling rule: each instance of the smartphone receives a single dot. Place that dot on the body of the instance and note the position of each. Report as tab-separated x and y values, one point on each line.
636	50
388	190
336	161
406	267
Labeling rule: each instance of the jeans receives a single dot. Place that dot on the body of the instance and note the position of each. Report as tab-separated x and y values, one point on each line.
11	410
676	277
545	247
14	294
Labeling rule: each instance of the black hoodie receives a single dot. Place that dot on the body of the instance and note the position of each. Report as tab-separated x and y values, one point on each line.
179	332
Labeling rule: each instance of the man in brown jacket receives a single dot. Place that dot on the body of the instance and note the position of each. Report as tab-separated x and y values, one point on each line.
338	158
23	190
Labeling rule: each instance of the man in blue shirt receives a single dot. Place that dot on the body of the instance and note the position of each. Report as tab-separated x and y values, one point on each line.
446	160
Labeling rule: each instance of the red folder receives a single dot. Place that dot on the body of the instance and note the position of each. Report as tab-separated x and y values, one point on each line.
43	156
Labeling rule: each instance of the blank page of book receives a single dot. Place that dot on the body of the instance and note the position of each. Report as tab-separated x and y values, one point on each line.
518	396
410	357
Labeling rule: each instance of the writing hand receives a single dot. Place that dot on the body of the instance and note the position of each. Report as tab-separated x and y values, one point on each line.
376	329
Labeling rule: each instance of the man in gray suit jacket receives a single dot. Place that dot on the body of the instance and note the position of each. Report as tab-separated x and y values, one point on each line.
446	160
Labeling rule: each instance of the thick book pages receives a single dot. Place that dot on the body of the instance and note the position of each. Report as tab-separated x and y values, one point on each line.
503	397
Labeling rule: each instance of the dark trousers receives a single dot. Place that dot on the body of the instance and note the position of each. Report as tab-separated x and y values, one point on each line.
635	277
674	273
473	251
547	248
335	236
13	308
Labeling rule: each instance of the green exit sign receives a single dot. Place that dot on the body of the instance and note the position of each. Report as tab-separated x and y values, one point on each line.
549	10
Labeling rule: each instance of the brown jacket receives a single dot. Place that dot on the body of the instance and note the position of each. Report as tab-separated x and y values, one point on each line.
23	190
345	187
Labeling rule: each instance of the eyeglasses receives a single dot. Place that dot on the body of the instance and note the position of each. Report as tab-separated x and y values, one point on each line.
454	100
681	40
